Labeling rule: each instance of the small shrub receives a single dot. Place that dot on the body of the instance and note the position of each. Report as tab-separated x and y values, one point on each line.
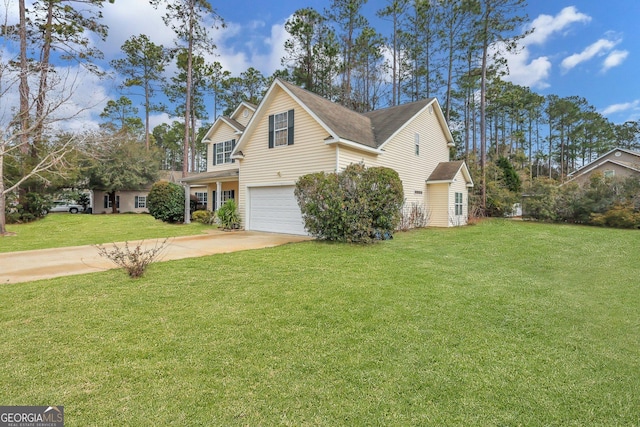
414	216
617	217
228	215
133	261
204	217
166	202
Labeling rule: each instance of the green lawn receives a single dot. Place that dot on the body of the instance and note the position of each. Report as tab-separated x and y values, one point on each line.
502	323
58	230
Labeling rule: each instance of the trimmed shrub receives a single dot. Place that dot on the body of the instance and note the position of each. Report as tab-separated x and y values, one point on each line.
204	217
358	204
166	202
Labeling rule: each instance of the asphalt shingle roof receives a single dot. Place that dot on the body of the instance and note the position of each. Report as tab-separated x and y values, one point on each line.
445	171
371	129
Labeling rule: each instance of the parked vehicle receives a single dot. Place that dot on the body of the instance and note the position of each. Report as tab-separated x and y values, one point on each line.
65	206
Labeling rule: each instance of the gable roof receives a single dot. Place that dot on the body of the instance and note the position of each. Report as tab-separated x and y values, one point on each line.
386	122
239	108
368	131
237	127
344	123
446	172
601	160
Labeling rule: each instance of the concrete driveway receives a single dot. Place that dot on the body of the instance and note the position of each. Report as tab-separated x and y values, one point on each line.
26	266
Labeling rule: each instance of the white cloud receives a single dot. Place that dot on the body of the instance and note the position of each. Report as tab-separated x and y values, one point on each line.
621	108
545	26
599	48
132	18
614	59
526	70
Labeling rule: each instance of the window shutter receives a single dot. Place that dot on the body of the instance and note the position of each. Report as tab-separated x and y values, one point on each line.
233	145
271	125
117	202
106	201
214	154
233	194
213	200
136	203
290	134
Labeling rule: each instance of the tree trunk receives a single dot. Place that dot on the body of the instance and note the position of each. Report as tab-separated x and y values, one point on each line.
24	81
114	207
44	74
3	200
483	124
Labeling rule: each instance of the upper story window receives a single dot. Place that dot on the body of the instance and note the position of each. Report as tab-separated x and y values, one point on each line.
281	129
609	173
222	152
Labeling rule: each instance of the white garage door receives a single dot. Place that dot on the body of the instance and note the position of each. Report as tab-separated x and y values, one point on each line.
274	209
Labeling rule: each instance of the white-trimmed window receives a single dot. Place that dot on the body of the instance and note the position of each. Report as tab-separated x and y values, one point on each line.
222	152
141	202
108	204
281	129
201	197
609	173
228	195
458	204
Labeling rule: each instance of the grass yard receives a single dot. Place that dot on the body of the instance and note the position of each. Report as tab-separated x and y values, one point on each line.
59	230
502	323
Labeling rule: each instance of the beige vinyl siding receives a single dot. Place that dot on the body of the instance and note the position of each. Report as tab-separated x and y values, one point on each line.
348	155
266	166
459	185
619	172
438	207
223	133
623	157
240	118
127	202
399	154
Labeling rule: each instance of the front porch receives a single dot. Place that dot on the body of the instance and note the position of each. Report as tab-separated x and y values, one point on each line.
212	189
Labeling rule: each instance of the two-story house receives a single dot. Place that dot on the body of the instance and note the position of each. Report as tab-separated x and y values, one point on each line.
257	154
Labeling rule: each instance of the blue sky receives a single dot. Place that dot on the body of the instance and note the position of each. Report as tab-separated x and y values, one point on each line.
587	48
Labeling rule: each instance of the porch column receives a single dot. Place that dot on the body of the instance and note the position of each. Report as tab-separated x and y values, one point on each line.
187	204
218	194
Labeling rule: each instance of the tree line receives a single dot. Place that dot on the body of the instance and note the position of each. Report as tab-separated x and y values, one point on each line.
450	49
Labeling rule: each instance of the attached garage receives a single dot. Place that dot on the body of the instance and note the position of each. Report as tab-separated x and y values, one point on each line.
274	209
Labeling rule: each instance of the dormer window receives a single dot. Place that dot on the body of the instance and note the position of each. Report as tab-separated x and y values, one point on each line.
222	152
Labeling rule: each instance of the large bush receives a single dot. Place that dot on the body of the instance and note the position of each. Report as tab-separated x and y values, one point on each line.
602	201
166	202
29	207
358	204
